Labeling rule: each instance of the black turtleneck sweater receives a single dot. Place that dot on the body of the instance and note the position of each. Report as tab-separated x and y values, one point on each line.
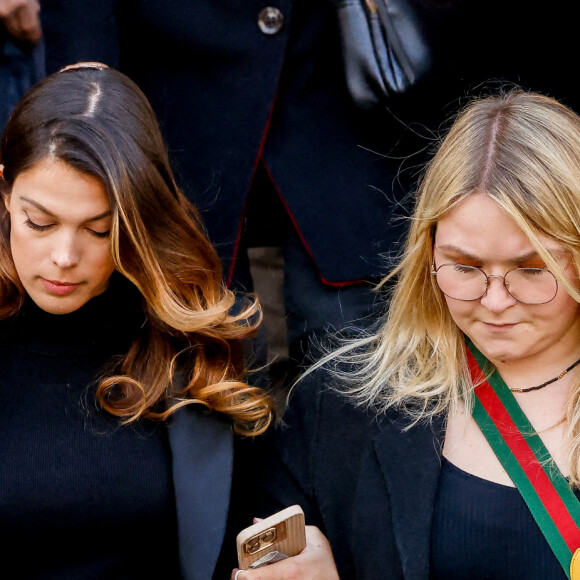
81	496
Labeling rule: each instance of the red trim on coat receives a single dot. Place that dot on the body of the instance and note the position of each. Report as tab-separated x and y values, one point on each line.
303	240
257	160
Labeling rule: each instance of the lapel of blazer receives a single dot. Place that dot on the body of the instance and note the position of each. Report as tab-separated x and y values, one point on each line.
411	462
202	454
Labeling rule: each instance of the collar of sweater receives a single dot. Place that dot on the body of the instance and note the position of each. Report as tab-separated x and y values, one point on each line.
107	323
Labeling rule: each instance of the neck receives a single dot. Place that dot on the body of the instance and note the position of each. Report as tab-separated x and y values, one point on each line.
548	382
539	369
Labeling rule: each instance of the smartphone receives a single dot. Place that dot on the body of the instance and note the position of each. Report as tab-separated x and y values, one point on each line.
276	537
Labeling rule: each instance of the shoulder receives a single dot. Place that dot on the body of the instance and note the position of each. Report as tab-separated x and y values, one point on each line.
321	405
325	433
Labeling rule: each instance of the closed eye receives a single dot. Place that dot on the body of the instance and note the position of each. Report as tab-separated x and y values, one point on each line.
37	227
464	269
101	235
533	271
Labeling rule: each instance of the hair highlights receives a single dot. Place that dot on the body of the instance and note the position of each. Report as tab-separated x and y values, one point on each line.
523	151
99	122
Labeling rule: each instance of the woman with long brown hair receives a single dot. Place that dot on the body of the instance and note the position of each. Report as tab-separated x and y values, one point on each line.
121	367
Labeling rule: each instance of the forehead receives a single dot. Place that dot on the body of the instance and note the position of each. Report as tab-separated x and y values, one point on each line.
60	189
478	226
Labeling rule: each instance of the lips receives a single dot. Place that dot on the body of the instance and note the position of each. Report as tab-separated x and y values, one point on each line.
60	287
499	327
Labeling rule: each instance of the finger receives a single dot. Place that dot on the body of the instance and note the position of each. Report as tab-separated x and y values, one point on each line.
271	572
24	23
7	7
30	24
315	538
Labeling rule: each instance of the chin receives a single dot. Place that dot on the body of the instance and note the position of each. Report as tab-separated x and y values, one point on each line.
58	305
500	350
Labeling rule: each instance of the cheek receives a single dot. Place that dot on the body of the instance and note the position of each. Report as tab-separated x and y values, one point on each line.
564	306
23	249
102	264
460	311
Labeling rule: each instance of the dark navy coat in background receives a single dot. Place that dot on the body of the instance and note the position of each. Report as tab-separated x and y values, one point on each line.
227	94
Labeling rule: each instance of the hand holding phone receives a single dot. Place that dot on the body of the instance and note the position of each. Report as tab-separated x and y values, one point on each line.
274	538
315	561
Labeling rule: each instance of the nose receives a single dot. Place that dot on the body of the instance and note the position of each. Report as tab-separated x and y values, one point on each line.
65	252
497	298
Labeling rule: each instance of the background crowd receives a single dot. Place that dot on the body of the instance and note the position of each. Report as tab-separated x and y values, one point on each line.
304	194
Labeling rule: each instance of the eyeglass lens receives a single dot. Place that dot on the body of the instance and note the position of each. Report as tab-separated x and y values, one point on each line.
527	285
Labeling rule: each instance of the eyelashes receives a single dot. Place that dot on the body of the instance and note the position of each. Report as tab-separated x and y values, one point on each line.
100	235
40	228
36	227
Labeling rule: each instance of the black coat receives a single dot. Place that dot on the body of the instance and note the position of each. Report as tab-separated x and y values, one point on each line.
227	94
368	484
202	456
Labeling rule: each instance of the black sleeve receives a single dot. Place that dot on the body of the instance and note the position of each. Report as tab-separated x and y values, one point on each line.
274	471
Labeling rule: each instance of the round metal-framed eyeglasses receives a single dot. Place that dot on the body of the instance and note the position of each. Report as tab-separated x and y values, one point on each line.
526	285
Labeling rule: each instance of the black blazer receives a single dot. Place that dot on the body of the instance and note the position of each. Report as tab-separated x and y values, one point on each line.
202	457
366	482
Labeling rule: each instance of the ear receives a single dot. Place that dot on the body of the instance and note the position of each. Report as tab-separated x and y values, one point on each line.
6	196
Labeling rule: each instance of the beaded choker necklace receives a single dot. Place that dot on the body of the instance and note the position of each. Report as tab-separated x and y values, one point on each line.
528	389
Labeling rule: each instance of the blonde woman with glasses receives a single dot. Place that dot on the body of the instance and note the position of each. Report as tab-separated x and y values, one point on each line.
447	444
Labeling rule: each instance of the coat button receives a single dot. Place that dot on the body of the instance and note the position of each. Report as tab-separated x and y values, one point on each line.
270	20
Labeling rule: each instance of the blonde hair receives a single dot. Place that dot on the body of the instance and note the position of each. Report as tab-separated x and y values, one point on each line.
98	121
523	151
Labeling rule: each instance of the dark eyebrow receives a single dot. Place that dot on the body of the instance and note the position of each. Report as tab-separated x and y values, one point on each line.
532	254
49	213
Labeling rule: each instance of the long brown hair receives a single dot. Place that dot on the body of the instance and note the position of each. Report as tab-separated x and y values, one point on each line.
98	121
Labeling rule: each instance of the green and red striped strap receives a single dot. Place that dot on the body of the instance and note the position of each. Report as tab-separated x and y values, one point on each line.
524	456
